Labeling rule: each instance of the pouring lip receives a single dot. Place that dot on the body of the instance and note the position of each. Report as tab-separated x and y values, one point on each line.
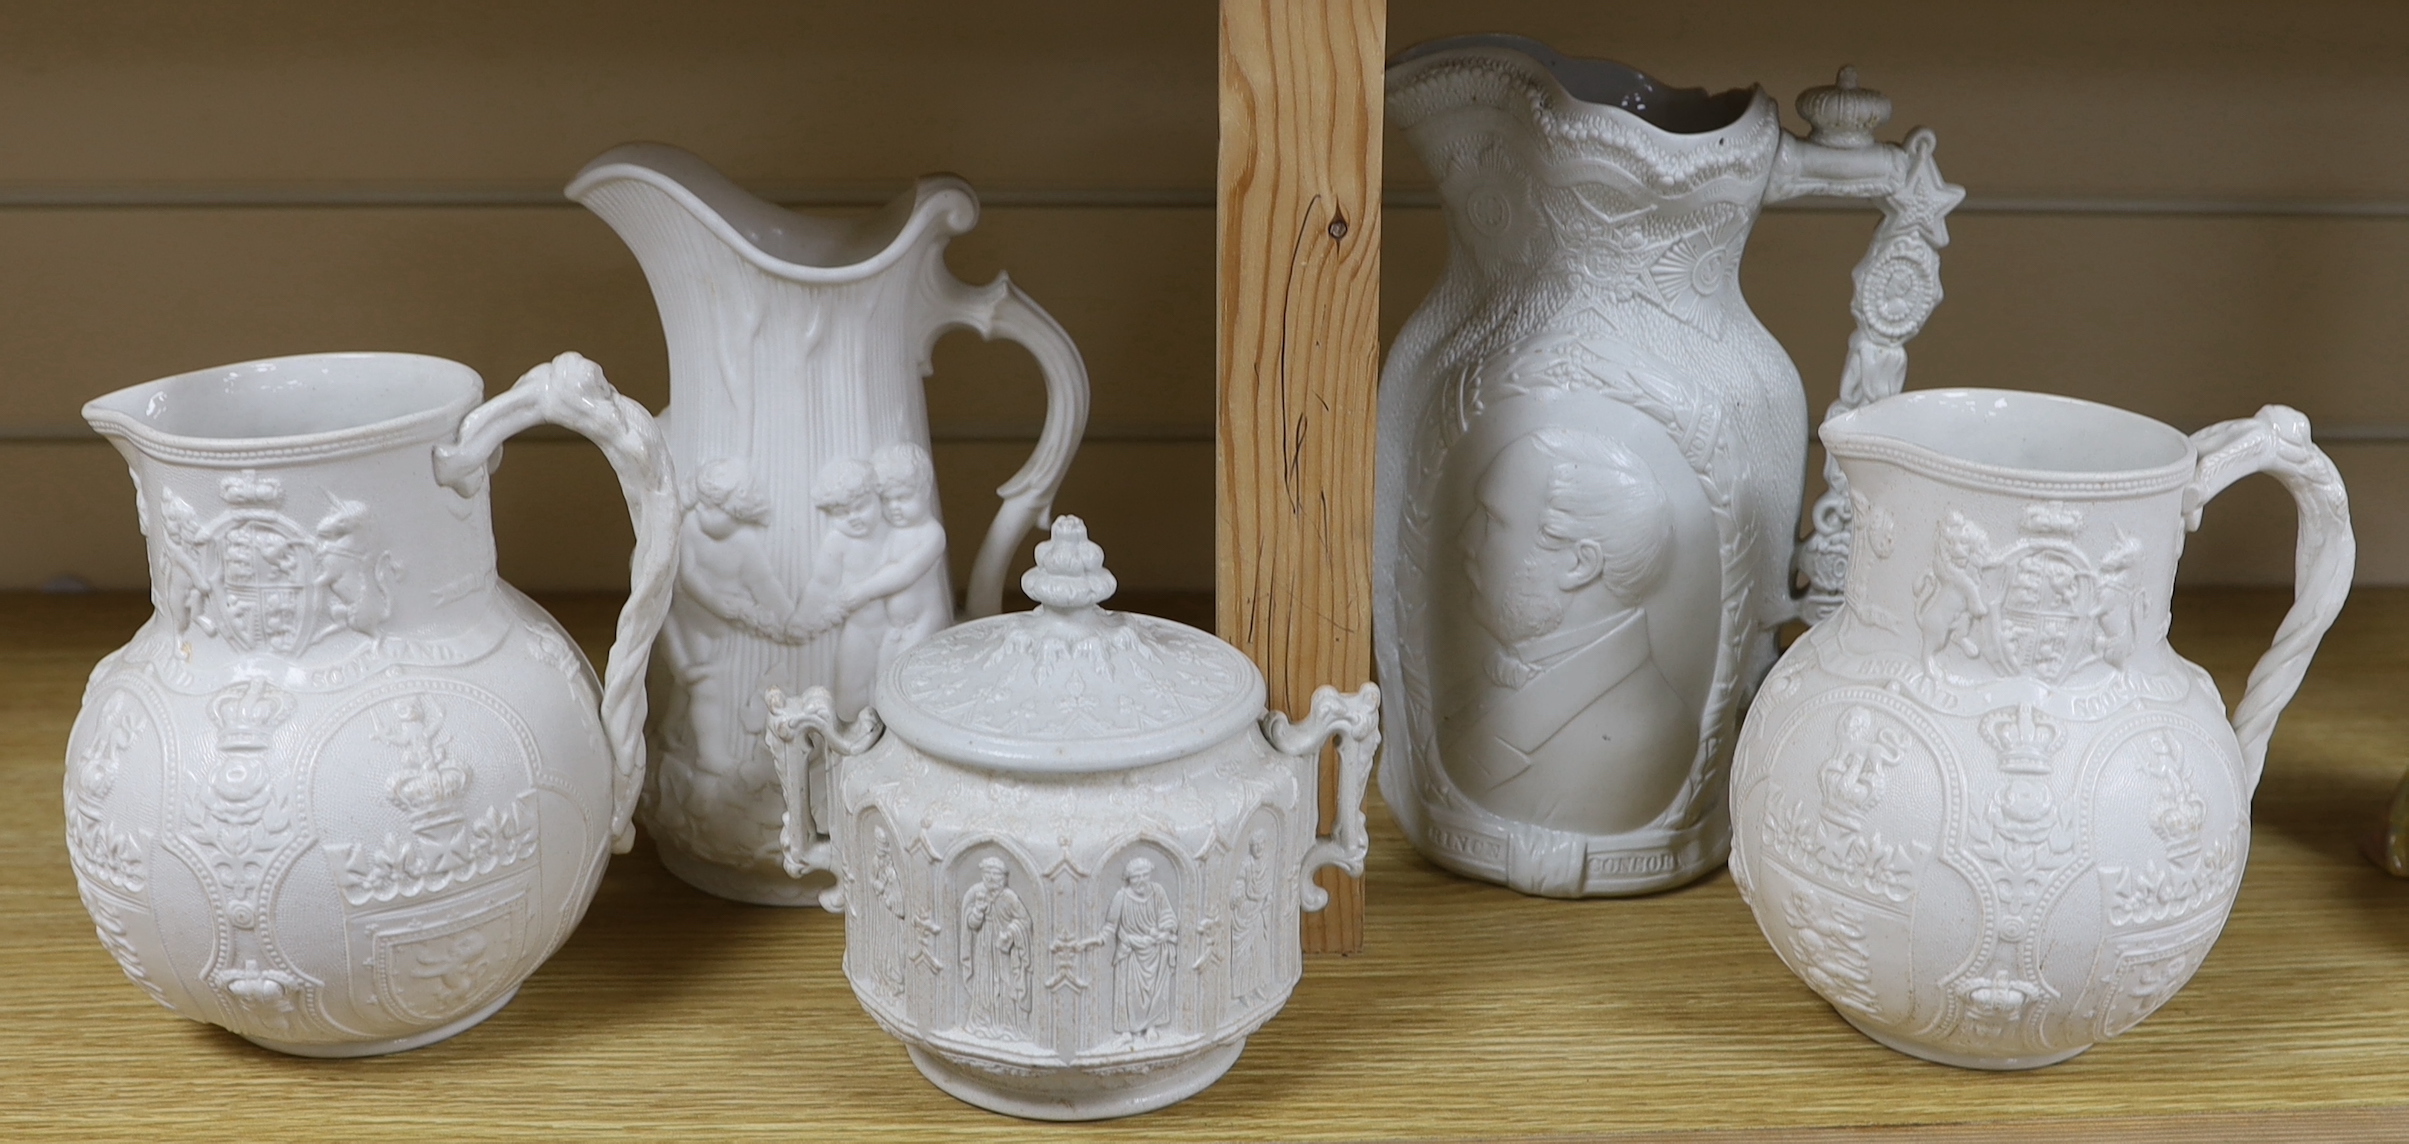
1595	85
450	390
941	201
1874	432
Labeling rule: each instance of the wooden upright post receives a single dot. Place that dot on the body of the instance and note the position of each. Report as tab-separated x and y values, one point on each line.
1299	355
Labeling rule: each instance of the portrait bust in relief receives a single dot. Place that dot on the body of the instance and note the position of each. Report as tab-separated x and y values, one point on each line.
1560	714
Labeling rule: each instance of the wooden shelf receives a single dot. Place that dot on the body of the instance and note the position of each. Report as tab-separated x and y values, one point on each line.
1473	1011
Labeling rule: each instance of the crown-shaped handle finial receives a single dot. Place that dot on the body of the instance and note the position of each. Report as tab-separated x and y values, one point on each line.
1070	571
1842	114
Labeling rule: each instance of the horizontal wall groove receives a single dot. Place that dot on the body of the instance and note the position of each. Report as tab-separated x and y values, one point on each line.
2338	433
70	434
494	196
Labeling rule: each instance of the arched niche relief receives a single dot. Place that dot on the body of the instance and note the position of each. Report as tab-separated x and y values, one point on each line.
997	920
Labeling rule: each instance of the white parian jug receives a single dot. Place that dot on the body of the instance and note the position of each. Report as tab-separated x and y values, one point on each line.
347	788
1592	454
814	552
1985	810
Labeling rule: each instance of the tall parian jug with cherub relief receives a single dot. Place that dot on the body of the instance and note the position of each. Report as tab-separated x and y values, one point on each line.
1592	455
813	549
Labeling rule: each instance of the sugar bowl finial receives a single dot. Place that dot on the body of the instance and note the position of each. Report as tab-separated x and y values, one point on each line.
1070	575
1842	114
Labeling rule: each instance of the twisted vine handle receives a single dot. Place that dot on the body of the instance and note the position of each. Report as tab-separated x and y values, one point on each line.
570	391
2276	442
802	729
1354	720
1898	282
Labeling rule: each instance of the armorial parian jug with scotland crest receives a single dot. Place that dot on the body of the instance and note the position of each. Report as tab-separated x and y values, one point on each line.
1592	455
813	549
346	788
1985	810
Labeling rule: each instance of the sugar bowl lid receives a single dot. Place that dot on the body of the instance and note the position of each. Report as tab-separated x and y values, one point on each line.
1068	686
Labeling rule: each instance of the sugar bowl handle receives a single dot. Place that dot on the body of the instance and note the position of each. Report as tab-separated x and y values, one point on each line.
570	391
2276	442
1354	720
801	729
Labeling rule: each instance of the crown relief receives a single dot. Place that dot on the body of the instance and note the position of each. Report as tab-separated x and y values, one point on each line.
2052	518
429	784
2025	738
247	489
247	715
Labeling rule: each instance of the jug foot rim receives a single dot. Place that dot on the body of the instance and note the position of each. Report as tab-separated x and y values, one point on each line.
1961	1060
1183	1081
395	1045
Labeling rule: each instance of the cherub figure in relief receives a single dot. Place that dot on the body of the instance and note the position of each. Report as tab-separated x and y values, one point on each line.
723	564
912	579
881	572
851	553
726	586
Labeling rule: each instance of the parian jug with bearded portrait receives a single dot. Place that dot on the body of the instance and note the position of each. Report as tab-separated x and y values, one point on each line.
1591	455
1985	810
813	549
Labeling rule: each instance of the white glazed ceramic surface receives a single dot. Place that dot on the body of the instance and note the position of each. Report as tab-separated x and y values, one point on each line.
1051	934
347	789
814	551
1586	434
1985	810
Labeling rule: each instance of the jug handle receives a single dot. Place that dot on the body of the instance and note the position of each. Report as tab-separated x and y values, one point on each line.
1354	720
1002	309
802	728
1897	283
570	391
2276	442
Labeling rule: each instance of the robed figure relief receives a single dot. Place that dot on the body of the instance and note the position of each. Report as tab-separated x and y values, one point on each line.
996	959
1141	927
886	888
1570	722
1254	958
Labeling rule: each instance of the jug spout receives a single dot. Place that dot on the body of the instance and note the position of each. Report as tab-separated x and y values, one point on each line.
658	196
287	508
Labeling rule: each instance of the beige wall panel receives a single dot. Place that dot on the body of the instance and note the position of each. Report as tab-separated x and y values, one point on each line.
98	299
2228	98
1025	94
2164	98
560	525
